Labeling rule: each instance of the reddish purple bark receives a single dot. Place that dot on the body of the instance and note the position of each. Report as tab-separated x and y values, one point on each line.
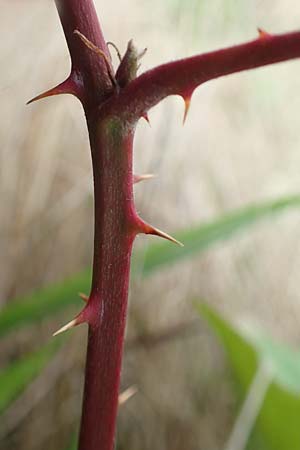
113	105
183	76
88	72
115	229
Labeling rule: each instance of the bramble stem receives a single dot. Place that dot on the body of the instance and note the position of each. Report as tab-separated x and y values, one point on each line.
113	103
115	227
89	69
183	76
114	234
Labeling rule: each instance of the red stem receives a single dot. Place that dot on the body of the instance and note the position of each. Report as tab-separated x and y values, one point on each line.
112	111
181	77
116	225
88	71
114	233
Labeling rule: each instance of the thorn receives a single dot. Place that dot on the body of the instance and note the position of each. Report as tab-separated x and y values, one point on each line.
164	235
149	229
146	176
82	317
84	297
187	104
66	87
67	327
127	394
146	117
262	34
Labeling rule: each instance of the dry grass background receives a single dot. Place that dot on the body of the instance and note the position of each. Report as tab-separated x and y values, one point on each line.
240	145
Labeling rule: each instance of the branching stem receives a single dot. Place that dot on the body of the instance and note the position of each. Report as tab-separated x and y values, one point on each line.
113	104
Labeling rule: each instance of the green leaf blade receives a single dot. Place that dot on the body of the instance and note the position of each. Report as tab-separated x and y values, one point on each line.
15	378
200	238
278	418
51	300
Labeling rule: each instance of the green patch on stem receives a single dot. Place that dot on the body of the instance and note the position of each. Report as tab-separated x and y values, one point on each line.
114	129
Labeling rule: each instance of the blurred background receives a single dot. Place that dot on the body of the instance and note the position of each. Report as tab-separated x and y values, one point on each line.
239	147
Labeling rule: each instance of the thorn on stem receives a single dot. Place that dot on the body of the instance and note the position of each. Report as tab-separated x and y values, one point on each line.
146	117
187	103
84	297
66	87
146	176
262	34
157	232
127	394
67	327
149	229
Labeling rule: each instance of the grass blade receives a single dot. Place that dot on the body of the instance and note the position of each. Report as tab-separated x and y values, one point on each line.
204	236
51	300
19	374
278	418
42	304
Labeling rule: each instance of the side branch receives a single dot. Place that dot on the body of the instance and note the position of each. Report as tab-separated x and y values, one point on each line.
183	76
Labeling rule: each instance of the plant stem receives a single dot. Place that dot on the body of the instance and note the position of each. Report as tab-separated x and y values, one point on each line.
88	70
114	233
183	76
116	225
113	104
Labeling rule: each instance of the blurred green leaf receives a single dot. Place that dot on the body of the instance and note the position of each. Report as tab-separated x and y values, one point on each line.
278	419
241	354
204	236
43	303
51	300
19	374
55	298
282	361
73	443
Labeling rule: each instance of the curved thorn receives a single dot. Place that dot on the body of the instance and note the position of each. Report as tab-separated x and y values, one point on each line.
262	34
187	104
67	327
146	176
83	296
149	229
66	87
146	117
127	394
